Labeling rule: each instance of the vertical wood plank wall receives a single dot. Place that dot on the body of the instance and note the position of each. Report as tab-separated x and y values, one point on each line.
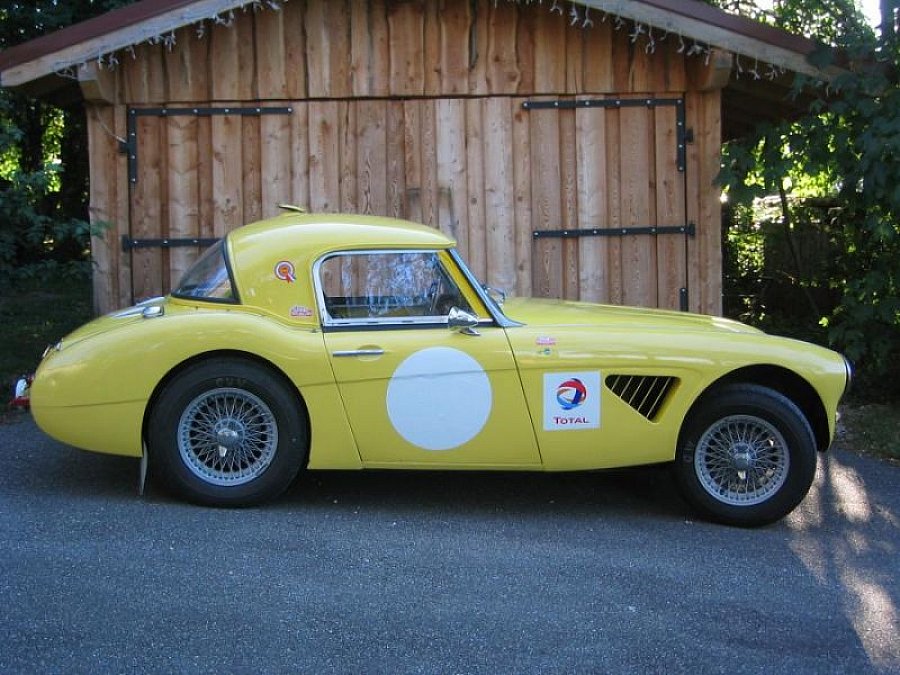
413	108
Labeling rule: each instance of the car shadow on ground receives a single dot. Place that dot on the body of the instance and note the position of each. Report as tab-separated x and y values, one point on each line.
44	466
638	492
36	465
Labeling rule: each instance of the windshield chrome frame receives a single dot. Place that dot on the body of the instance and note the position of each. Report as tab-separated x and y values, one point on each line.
493	308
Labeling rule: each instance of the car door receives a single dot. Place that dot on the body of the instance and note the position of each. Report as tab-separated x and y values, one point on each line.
417	393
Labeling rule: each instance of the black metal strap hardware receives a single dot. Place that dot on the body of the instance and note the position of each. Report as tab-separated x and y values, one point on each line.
684	135
206	112
569	104
129	147
129	244
690	230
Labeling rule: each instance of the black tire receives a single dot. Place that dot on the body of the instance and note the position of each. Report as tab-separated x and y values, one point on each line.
227	432
746	456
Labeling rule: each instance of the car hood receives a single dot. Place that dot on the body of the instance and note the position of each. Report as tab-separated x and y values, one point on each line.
557	313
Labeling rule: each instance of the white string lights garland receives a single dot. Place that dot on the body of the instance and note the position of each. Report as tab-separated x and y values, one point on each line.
109	59
651	36
578	15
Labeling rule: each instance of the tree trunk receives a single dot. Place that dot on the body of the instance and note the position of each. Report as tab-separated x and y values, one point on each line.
29	118
890	16
74	158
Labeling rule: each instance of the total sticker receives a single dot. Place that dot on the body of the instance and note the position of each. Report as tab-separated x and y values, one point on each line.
571	401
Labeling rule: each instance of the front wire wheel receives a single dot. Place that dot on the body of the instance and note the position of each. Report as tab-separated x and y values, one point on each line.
747	456
742	460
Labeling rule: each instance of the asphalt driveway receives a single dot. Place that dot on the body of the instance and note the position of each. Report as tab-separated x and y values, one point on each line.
438	573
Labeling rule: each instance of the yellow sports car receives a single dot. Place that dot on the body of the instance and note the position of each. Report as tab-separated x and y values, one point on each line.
351	342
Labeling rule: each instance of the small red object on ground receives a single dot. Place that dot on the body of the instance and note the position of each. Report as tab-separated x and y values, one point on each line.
21	394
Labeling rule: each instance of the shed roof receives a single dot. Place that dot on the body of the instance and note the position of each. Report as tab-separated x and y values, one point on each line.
39	65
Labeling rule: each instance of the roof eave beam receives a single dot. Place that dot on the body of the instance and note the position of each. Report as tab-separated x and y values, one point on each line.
121	38
716	36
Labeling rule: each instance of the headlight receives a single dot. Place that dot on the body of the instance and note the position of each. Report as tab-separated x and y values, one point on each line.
848	366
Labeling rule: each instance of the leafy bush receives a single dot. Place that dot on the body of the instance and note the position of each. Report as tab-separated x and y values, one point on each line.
836	169
44	227
33	238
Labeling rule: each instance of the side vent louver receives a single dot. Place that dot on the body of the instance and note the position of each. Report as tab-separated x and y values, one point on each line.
644	393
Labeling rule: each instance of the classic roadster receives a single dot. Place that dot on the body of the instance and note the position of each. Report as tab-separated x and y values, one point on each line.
351	342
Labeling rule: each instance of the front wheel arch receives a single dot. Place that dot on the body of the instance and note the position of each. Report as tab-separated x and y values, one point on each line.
782	380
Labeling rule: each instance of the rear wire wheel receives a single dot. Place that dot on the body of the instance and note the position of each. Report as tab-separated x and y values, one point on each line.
227	433
227	436
747	456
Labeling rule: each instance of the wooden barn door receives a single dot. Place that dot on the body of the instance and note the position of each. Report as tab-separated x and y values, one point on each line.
579	198
195	174
608	194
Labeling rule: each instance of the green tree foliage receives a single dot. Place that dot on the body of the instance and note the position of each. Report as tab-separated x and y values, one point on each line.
832	22
23	20
43	157
837	168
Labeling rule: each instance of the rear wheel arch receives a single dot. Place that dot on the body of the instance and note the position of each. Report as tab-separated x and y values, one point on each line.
783	381
217	355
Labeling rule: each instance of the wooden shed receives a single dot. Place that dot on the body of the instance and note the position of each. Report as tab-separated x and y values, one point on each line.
570	148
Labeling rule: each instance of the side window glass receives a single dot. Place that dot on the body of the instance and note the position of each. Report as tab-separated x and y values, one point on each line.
388	286
208	277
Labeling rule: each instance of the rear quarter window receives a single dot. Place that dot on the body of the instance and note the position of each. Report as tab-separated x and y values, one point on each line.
209	278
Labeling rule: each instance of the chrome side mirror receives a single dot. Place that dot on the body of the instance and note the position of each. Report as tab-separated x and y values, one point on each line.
463	321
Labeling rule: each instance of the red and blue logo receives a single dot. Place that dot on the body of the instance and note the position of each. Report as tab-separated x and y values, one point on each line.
571	394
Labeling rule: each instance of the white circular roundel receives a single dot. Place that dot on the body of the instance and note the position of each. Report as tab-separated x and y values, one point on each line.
439	398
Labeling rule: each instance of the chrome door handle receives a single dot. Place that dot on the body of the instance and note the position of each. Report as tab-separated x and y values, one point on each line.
358	352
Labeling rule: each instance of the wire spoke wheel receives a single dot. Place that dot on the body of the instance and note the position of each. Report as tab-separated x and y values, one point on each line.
227	432
746	455
227	436
742	460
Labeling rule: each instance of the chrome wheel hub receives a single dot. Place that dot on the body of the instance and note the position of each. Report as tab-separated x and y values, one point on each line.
228	440
227	436
742	460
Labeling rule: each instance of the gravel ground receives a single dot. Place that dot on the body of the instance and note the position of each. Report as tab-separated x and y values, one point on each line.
438	573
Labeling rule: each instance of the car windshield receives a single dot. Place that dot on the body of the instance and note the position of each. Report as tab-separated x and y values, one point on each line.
488	292
208	278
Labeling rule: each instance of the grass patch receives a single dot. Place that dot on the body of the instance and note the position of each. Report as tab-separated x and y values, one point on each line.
872	428
33	316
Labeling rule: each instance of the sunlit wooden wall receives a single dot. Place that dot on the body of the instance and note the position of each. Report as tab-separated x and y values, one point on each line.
414	109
